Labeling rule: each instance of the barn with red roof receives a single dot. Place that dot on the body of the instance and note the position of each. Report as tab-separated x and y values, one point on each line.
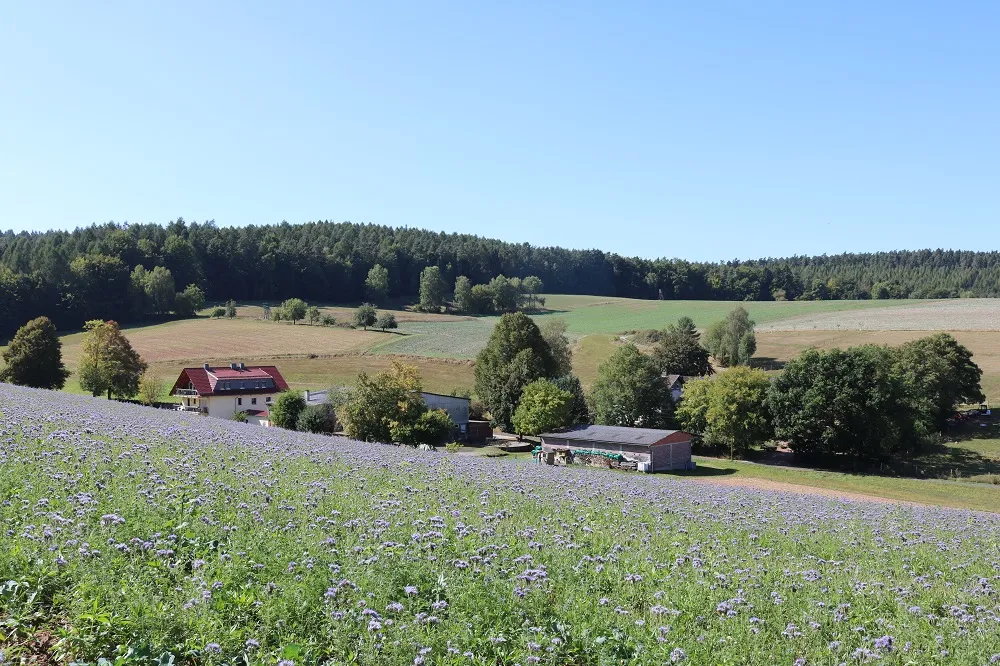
227	390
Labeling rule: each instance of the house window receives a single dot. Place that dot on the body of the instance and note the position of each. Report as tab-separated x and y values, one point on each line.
253	401
239	401
267	399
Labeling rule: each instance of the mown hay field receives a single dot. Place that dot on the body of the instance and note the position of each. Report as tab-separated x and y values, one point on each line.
143	536
966	314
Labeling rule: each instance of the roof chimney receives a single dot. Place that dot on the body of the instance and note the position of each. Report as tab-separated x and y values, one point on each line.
243	366
206	366
232	366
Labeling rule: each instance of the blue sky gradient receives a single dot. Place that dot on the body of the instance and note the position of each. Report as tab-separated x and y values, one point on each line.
695	130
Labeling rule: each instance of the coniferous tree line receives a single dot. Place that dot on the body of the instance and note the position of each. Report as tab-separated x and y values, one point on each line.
90	272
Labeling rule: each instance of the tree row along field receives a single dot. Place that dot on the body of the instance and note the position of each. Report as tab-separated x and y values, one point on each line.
317	356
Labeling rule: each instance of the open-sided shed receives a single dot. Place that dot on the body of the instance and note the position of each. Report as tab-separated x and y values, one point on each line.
648	449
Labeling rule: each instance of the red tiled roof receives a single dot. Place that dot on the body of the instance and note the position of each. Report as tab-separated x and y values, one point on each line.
205	381
257	412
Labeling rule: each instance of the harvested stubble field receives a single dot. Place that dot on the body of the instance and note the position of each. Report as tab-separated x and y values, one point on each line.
143	536
782	346
966	314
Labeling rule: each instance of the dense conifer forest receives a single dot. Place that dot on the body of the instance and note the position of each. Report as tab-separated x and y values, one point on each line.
90	272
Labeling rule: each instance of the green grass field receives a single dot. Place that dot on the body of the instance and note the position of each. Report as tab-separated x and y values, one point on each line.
957	494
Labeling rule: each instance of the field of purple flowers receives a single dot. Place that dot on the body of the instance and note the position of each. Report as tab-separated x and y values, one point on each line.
142	536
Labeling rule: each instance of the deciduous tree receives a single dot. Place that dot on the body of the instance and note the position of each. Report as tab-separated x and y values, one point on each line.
294	309
377	284
34	357
432	289
365	316
285	410
843	402
515	355
730	409
679	350
386	321
380	400
188	302
629	391
463	294
554	333
940	375
543	407
732	340
109	364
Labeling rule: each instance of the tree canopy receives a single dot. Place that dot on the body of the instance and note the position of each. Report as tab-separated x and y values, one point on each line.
679	350
630	391
34	357
40	274
515	355
284	412
432	289
543	407
729	409
109	364
732	341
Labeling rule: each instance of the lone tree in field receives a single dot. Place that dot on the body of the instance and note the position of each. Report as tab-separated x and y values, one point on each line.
386	321
515	356
286	409
34	357
732	340
231	309
543	407
377	284
365	316
432	289
313	315
679	351
630	391
294	309
730	409
109	364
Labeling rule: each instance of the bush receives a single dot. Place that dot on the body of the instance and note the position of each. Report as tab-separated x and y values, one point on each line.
319	419
385	321
188	302
240	417
453	447
286	409
328	320
218	313
431	428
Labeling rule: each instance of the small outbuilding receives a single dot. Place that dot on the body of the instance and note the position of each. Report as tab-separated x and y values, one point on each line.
644	449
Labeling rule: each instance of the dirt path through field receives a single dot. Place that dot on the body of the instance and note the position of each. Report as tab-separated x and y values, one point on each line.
781	486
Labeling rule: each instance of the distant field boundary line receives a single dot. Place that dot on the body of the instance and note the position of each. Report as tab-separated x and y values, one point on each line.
308	356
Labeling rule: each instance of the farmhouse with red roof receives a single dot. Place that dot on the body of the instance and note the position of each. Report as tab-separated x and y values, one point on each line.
224	391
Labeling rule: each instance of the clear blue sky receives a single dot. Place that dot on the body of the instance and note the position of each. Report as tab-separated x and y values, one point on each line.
704	131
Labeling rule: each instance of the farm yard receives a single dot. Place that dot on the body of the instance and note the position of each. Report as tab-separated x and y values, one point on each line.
128	540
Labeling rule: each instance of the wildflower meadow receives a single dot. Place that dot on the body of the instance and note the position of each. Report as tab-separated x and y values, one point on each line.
131	535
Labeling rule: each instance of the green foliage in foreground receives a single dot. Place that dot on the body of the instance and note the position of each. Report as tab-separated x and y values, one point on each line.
209	541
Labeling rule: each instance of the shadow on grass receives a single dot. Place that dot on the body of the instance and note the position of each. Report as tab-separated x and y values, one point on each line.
703	471
944	461
767	363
